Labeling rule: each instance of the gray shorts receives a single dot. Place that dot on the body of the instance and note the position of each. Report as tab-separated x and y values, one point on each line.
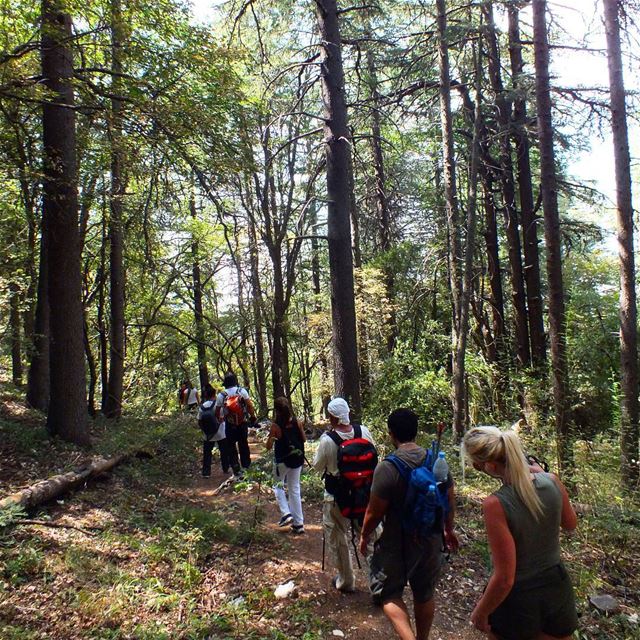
417	563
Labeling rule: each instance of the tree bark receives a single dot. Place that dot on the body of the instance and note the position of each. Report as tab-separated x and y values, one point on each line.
503	107
113	408
525	187
629	431
549	190
339	180
16	337
67	415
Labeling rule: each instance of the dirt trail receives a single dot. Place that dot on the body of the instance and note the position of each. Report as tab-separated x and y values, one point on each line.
353	614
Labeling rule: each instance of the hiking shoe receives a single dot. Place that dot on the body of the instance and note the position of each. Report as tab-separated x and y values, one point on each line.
297	529
342	589
285	520
206	475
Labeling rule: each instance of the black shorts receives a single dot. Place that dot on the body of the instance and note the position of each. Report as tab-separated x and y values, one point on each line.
543	604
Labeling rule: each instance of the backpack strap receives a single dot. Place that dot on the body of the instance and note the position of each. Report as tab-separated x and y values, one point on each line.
335	437
403	468
357	431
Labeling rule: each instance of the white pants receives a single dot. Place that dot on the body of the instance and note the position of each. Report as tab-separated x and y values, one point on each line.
289	501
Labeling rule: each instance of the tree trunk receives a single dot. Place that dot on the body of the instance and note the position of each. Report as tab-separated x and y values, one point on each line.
16	337
91	365
628	311
339	180
203	372
525	188
449	167
460	389
385	232
493	267
549	190
256	287
503	107
113	408
325	392
100	321
67	415
38	387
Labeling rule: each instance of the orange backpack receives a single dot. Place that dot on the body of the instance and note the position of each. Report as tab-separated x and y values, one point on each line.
235	408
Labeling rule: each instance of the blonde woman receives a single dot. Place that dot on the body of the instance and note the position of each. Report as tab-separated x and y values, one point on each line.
529	595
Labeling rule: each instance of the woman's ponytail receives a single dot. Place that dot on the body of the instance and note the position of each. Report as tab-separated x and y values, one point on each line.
519	474
490	444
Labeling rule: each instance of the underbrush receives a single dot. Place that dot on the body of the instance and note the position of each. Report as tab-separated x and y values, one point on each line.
146	563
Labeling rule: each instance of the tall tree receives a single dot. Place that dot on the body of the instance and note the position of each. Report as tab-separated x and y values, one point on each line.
113	408
525	189
624	209
339	179
203	372
16	338
549	190
67	415
503	108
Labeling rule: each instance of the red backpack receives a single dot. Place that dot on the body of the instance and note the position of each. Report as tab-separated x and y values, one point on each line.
357	460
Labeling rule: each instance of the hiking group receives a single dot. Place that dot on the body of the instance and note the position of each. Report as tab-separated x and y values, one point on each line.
399	513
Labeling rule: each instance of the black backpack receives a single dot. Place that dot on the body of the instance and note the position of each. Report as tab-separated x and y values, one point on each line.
208	421
357	460
290	448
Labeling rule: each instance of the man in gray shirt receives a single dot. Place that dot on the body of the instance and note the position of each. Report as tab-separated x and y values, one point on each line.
399	556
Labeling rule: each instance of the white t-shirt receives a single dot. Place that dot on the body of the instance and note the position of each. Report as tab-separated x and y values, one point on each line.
221	433
326	457
192	397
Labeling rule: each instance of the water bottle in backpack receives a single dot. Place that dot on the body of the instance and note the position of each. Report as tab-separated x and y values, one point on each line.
441	468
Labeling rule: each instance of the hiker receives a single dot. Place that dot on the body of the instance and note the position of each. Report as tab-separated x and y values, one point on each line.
182	398
287	439
529	595
234	407
339	528
408	550
191	397
213	432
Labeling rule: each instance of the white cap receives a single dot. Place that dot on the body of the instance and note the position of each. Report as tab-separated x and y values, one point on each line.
339	408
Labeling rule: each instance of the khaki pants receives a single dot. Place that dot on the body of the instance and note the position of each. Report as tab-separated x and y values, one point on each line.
337	532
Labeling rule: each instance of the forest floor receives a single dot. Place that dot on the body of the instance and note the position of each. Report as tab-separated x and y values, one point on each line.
160	553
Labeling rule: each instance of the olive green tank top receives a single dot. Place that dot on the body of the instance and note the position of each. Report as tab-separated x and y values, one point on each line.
537	542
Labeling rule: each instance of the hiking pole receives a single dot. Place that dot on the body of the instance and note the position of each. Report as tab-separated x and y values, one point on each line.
355	547
439	429
323	545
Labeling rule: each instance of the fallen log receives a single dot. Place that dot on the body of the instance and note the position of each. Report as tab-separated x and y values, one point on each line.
47	490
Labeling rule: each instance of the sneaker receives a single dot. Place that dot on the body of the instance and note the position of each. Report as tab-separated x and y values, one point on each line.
206	475
342	589
297	528
285	520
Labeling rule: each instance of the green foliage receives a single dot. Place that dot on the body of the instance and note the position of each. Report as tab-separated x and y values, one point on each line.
407	379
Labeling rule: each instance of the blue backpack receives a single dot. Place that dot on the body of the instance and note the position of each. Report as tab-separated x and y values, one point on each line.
426	503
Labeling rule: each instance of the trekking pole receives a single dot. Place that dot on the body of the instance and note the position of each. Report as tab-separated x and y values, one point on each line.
439	429
323	545
355	547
